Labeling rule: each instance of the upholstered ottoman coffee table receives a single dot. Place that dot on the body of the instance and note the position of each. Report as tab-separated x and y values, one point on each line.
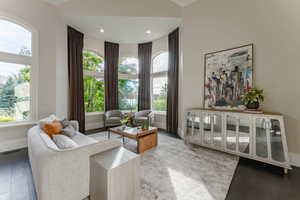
115	175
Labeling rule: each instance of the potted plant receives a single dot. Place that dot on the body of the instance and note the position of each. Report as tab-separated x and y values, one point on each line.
252	98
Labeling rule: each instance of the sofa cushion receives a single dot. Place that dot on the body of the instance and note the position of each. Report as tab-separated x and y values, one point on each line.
53	128
64	142
141	118
47	140
114	113
83	140
114	119
143	113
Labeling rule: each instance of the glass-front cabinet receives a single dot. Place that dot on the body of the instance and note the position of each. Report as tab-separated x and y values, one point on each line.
217	133
244	135
270	139
255	136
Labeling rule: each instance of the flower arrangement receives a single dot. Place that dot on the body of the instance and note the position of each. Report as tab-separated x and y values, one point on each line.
252	98
127	120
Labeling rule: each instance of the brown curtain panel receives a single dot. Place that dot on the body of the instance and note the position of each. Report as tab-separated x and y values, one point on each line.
145	57
76	99
173	76
111	51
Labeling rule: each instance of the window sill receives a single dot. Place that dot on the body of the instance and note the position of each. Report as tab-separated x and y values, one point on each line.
16	124
94	113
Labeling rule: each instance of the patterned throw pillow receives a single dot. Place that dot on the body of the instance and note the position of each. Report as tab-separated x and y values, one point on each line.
53	128
69	131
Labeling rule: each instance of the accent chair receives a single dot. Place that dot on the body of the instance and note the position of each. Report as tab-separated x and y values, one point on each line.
141	116
113	118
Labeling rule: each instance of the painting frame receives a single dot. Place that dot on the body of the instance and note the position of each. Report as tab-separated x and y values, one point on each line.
250	47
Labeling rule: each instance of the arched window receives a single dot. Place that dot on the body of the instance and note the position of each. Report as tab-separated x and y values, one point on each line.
128	83
93	80
17	74
159	77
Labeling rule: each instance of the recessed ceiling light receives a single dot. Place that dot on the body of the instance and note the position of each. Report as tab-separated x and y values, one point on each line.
101	30
148	31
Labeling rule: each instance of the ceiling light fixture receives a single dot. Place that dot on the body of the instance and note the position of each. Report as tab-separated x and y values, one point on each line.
148	31
101	30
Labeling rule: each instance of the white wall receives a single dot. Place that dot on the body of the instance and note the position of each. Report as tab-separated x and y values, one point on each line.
272	25
45	19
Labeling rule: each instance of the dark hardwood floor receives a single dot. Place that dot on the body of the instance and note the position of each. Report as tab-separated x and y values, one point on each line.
16	181
252	180
258	181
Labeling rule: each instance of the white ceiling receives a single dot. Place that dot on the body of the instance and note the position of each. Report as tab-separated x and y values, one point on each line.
181	3
121	29
124	29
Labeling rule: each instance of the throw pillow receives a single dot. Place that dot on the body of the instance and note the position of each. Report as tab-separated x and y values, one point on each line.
46	120
65	123
69	131
53	128
64	142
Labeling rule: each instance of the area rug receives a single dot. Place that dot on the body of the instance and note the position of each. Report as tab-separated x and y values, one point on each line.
175	171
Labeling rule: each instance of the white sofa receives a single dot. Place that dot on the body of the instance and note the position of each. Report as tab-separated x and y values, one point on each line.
63	174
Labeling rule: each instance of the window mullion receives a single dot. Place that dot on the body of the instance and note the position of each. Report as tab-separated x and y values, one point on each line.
16	59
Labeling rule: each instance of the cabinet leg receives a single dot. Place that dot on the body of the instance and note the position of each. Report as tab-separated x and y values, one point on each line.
286	171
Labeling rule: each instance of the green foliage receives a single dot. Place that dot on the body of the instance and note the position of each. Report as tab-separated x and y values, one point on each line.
8	99
92	62
93	88
128	89
160	102
253	95
6	119
128	94
93	94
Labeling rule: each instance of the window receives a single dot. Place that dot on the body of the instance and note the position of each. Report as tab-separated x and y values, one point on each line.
128	83
93	80
17	61
159	78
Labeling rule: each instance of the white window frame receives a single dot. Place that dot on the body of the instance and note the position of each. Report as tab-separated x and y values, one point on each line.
25	60
160	74
122	76
98	75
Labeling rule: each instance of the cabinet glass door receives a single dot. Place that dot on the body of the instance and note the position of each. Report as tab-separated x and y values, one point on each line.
261	137
231	128
197	129
189	125
244	135
277	150
217	130
206	120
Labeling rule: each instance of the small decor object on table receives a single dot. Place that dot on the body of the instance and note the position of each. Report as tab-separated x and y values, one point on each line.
128	120
145	125
252	98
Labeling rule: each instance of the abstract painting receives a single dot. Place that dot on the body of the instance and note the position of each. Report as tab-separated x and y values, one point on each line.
228	74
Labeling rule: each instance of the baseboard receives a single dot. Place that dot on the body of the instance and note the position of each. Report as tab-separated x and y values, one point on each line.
295	159
11	145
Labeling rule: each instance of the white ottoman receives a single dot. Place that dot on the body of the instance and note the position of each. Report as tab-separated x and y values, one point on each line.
115	175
